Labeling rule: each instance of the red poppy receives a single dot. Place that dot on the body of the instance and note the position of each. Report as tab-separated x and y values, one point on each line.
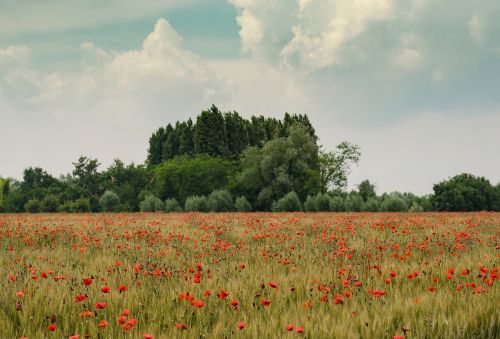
240	325
265	302
87	281
273	284
103	324
300	329
180	326
105	289
223	294
80	297
122	288
290	327
52	327
148	336
101	305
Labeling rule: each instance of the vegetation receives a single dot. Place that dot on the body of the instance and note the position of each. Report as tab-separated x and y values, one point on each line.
220	156
384	275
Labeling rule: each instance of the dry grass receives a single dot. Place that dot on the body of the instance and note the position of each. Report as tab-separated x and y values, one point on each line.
311	257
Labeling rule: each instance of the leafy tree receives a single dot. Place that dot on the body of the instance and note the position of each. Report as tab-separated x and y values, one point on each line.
155	150
109	201
171	206
317	203
464	192
335	166
152	203
50	204
371	205
86	177
210	136
337	204
196	203
220	201
184	176
393	202
353	203
33	206
237	134
282	165
289	203
366	190
242	205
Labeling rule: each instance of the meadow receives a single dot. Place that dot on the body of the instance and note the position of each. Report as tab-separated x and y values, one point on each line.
248	275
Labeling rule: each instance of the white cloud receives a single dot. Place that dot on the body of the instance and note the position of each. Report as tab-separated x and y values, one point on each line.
51	15
475	28
409	54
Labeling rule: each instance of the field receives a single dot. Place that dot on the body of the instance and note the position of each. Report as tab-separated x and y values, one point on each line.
254	275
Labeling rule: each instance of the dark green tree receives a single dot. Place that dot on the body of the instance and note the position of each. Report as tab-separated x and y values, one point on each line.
210	135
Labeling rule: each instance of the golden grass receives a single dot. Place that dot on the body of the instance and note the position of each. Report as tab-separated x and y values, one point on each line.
313	258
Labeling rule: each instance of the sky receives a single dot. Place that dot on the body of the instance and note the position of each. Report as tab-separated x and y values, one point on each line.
415	83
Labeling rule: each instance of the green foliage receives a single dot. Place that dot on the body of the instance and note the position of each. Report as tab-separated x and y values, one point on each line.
393	202
196	203
464	192
337	204
220	201
335	166
317	203
416	207
184	176
282	165
50	204
33	206
151	203
353	203
110	202
210	135
371	205
288	203
242	205
172	206
366	190
4	190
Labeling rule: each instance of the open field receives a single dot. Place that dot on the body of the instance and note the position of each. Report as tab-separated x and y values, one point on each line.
261	275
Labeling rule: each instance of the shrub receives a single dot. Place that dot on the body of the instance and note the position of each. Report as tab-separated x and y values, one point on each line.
337	204
80	205
310	204
353	203
33	206
220	201
242	205
371	205
393	203
151	203
50	204
172	206
109	201
196	203
416	207
288	203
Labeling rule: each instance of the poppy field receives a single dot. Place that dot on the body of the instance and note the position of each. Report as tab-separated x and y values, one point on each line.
267	275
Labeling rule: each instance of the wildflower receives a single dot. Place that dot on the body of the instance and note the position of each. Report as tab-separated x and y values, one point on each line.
240	325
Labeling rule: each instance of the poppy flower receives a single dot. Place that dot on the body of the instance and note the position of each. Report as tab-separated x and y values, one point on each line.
122	288
101	305
80	297
87	281
103	324
207	293
240	325
52	327
180	326
121	320
392	274
148	336
105	289
300	329
20	294
125	312
272	284
265	302
290	327
76	336
223	294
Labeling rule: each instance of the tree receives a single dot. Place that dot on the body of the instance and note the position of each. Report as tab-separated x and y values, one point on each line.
281	166
220	201
4	191
464	192
33	206
196	203
171	206
210	136
242	205
237	135
335	166
109	201
151	203
155	150
50	204
366	190
393	202
288	203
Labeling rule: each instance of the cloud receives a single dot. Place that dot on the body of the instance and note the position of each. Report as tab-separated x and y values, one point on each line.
33	16
475	28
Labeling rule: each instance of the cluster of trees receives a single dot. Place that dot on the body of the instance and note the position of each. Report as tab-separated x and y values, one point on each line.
224	162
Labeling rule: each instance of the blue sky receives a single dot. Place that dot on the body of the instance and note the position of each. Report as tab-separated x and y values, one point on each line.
415	82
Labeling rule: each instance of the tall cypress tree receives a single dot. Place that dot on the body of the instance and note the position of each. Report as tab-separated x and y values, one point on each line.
210	135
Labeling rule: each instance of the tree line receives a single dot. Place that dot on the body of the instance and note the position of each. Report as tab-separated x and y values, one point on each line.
223	162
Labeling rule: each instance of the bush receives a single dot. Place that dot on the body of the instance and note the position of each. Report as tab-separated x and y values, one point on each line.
220	201
109	201
80	205
50	204
371	205
353	203
317	203
151	203
172	206
33	206
310	204
337	204
393	203
416	207
196	204
289	203
242	205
